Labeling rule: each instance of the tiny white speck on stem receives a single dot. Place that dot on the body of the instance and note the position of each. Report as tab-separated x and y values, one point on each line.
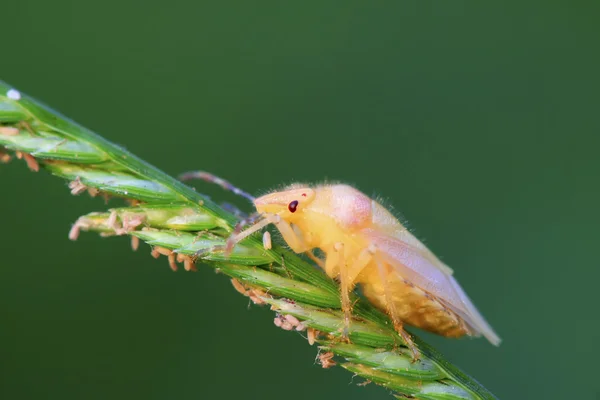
13	94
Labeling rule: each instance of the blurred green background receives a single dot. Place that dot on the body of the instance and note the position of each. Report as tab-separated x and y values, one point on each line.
479	122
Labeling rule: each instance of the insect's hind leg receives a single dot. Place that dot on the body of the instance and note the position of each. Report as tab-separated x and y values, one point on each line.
393	313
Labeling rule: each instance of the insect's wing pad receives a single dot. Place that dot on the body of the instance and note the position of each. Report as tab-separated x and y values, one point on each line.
416	267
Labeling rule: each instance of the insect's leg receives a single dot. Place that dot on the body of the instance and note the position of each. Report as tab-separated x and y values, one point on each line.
291	237
364	258
316	259
238	235
336	260
348	274
208	177
335	264
393	313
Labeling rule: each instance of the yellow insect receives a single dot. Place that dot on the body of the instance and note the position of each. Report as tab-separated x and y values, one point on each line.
365	244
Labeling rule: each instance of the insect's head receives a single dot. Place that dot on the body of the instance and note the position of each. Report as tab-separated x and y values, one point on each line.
285	203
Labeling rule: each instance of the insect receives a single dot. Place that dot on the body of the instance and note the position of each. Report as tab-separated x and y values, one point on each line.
364	244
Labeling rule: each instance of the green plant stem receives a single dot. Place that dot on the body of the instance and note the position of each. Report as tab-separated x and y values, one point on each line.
179	222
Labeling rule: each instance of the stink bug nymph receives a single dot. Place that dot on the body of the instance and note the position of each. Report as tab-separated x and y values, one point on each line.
363	243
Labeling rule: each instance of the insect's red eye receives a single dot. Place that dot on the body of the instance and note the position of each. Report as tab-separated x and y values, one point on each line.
293	206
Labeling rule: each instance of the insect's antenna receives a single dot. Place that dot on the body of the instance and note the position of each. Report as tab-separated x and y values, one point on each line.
234	210
208	177
238	235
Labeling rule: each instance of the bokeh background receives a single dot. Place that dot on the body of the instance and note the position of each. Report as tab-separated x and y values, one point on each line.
478	121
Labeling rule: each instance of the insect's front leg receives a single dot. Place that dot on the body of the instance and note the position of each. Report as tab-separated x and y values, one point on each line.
295	241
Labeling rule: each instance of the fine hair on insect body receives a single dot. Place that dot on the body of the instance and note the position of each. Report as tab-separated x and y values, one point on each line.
363	243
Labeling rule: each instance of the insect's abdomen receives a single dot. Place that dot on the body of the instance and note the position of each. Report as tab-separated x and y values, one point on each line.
412	305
